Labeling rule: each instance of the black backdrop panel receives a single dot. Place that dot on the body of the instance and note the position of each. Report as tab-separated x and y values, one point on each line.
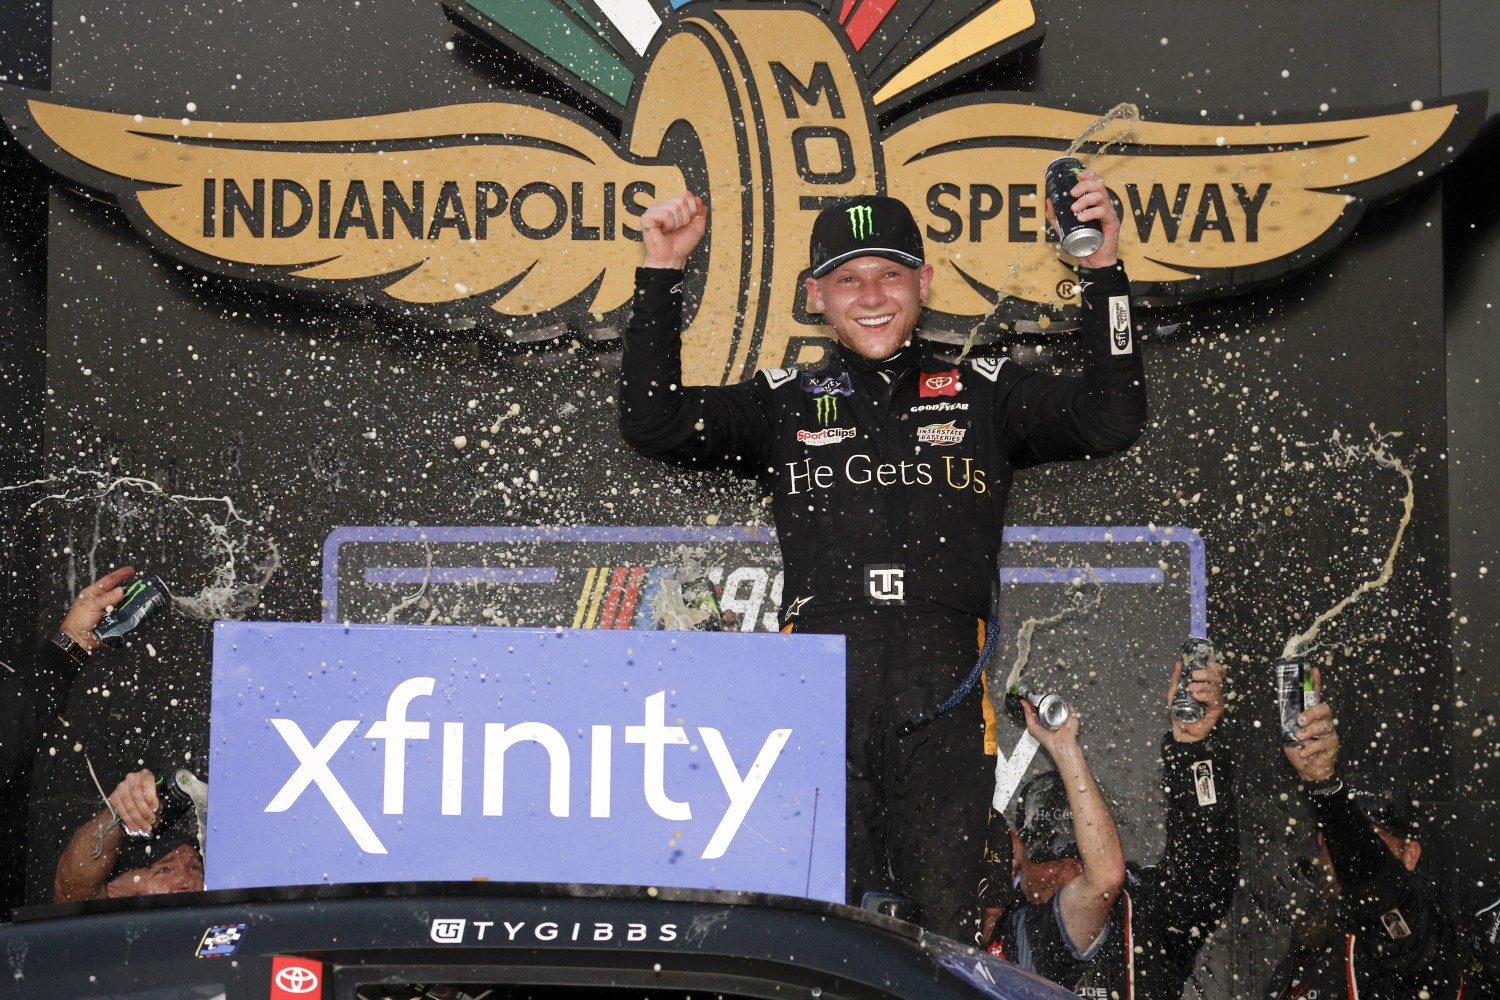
1471	258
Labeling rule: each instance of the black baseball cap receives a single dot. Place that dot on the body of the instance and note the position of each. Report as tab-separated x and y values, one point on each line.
136	854
1044	819
869	225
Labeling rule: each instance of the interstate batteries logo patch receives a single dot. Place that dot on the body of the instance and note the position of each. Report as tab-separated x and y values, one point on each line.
941	434
521	214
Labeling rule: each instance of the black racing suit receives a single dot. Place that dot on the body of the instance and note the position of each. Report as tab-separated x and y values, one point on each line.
1160	921
1396	937
888	483
30	700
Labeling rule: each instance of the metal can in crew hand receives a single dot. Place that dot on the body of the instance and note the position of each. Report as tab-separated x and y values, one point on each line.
1078	238
174	795
144	597
1294	695
702	605
175	792
1197	653
1051	710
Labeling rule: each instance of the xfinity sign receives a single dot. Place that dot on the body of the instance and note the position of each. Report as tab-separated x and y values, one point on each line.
397	753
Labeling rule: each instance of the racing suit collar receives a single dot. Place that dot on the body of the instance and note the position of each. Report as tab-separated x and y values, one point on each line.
918	356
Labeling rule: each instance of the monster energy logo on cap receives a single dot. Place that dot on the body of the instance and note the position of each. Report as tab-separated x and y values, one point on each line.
847	229
861	220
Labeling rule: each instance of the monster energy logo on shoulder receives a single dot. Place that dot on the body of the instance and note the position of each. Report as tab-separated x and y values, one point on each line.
825	391
862	221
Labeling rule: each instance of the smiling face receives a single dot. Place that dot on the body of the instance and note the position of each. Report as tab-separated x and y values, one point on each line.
871	303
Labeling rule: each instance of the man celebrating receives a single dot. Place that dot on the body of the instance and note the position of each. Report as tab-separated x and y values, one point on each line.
30	702
1085	918
90	866
1396	938
888	469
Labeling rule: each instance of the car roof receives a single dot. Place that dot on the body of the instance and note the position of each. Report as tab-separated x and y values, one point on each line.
495	940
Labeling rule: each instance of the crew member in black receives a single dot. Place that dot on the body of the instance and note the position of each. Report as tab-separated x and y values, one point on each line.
1156	925
30	700
99	862
1394	937
888	469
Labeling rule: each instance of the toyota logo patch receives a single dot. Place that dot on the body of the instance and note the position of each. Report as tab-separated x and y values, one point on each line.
295	978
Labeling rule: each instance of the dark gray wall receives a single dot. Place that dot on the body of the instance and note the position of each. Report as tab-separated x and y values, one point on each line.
24	58
25	38
1472	288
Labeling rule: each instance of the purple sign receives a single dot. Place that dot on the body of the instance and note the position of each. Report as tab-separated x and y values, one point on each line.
367	753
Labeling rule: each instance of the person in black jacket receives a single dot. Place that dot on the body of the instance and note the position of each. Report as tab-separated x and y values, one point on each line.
888	470
102	861
1141	942
1394	935
30	700
1069	868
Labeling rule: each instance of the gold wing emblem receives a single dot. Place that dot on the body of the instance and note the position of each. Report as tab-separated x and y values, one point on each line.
519	208
1204	208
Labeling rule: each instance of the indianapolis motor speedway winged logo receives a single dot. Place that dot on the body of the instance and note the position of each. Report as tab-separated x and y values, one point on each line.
520	214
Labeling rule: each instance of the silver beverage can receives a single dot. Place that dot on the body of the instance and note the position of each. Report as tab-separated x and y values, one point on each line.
1197	653
1078	238
1294	695
1051	710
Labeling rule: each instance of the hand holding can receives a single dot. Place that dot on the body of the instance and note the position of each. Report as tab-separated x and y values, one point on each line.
1197	654
1296	692
1313	746
1051	710
144	597
1078	238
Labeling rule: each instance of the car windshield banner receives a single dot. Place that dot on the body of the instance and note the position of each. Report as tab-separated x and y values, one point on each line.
363	753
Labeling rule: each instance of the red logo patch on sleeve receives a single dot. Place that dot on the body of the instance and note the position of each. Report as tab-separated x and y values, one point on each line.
939	384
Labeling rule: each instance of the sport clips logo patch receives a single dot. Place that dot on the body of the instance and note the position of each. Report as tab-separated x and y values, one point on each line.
828	435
